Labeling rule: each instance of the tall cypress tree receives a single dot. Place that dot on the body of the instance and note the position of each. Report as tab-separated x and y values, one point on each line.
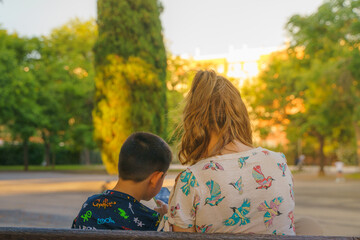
130	64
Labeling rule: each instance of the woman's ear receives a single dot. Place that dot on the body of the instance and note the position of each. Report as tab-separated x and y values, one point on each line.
155	177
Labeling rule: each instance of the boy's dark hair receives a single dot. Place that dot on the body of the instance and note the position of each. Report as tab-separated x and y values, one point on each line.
141	155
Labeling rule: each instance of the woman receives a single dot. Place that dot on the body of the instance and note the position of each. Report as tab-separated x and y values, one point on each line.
230	186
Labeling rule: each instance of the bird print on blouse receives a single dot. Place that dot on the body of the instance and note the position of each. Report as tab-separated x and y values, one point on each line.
195	206
259	177
213	166
189	179
282	167
229	194
291	192
270	211
242	161
266	152
215	193
292	224
173	210
238	185
239	215
203	228
277	233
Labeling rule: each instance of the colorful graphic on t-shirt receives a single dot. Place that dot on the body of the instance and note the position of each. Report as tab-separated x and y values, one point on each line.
115	210
104	203
86	216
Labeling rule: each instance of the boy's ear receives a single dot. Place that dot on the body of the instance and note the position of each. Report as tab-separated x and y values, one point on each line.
155	178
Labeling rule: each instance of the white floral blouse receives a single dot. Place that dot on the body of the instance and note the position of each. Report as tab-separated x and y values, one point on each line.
246	192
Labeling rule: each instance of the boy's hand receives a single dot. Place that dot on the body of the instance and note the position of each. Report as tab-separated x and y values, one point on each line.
161	208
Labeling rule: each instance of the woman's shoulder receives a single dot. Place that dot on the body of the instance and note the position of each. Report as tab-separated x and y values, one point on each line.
219	162
273	154
227	156
258	155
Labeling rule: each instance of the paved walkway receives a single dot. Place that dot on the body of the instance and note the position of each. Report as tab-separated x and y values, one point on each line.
53	199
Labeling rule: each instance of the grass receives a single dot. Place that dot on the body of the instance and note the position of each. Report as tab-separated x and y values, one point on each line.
70	168
355	176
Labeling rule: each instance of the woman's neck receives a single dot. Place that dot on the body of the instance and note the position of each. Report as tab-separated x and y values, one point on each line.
233	147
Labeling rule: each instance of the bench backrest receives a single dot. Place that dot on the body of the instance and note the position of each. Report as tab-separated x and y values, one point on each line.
14	233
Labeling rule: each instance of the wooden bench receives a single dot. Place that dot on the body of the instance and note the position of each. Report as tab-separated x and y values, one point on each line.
15	233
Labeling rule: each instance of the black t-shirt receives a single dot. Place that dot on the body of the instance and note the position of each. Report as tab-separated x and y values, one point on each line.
116	210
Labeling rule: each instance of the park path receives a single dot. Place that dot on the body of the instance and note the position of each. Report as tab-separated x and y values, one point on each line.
53	199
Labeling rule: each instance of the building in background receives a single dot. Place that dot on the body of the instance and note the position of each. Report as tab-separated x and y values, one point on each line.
240	64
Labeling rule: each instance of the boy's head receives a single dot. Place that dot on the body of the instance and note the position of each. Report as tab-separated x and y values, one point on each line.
143	154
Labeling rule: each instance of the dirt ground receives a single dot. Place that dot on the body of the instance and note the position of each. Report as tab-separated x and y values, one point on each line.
52	200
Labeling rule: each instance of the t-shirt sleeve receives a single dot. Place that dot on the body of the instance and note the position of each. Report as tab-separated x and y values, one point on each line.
73	225
154	221
184	201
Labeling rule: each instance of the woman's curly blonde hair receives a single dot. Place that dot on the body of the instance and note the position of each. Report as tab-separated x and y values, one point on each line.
212	105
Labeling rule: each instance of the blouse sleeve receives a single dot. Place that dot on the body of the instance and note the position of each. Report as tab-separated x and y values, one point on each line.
183	202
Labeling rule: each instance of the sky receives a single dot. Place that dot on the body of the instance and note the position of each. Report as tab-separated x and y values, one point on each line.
211	26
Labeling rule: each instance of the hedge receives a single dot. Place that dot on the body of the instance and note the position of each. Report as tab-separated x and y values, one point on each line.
12	154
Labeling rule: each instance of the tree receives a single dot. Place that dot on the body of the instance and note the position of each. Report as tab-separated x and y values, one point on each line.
48	87
66	74
130	64
331	46
308	86
18	108
71	45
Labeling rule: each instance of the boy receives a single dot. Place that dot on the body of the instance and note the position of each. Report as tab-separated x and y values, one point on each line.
143	161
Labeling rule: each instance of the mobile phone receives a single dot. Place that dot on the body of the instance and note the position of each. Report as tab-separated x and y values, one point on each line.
163	195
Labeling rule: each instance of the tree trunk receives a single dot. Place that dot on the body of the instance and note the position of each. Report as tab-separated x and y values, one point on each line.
53	160
321	154
26	154
47	154
86	156
357	134
47	149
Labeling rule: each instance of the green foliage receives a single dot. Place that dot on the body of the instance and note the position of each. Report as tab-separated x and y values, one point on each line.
130	65
131	28
66	74
69	83
331	40
18	108
312	88
48	86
